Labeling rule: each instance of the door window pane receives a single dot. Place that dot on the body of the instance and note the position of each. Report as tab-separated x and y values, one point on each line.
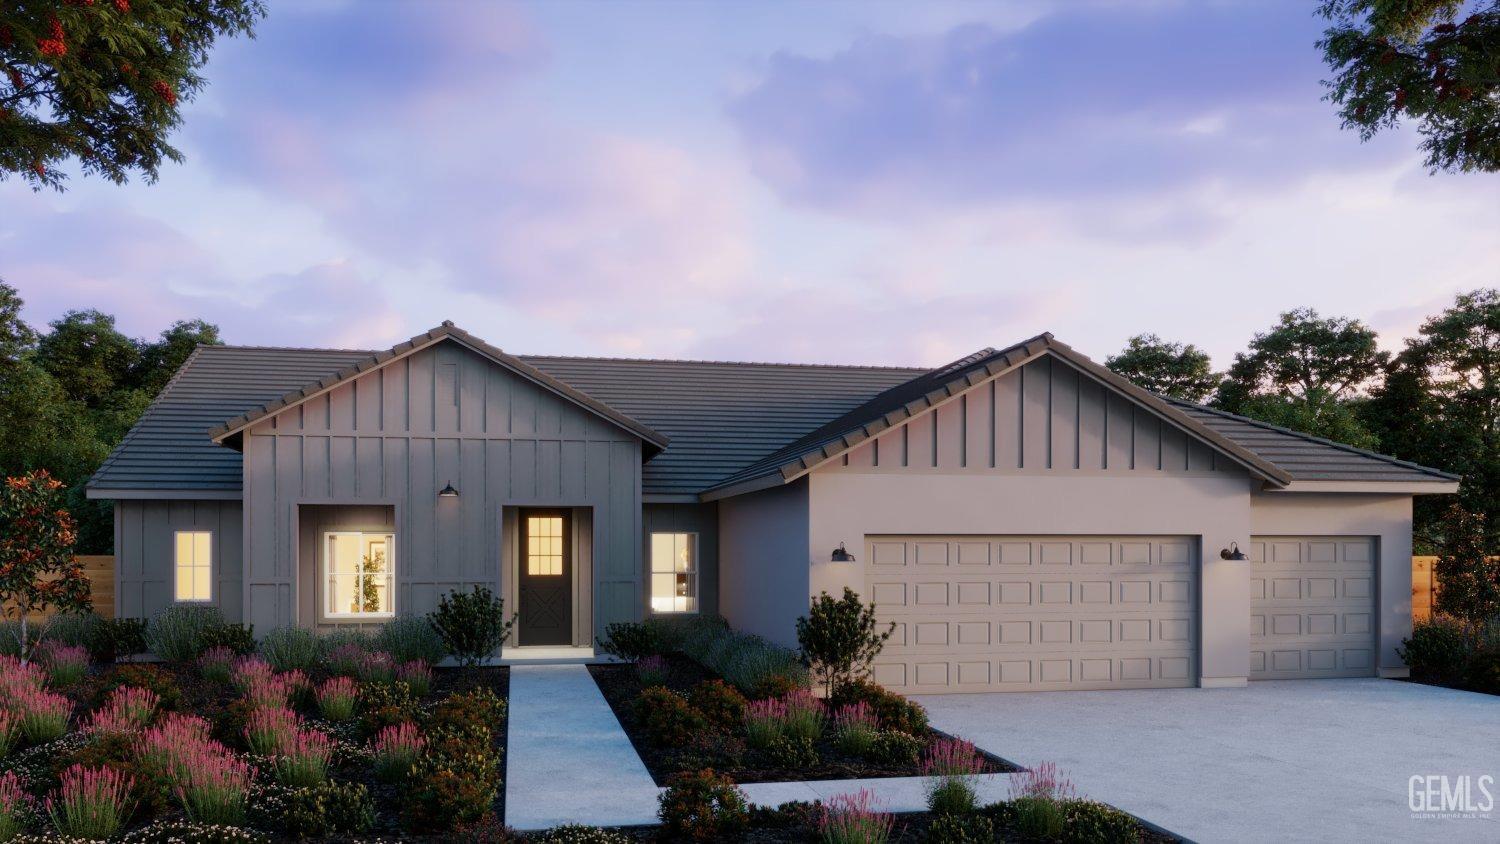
674	572
544	545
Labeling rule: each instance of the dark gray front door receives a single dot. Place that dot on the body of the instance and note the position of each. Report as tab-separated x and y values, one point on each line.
546	578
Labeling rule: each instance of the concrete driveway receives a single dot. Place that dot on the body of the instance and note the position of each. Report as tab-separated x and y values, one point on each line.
1324	760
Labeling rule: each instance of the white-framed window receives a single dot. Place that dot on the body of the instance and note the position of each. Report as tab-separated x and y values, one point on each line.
193	566
674	572
359	574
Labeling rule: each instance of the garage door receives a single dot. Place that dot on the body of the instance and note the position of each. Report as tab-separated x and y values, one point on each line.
1019	613
1312	607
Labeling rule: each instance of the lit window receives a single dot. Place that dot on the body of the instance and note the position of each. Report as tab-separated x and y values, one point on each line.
674	572
359	570
194	565
544	545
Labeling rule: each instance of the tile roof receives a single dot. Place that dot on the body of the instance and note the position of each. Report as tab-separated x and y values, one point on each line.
724	423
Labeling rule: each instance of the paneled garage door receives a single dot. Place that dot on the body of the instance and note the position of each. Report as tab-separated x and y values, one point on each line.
1002	613
1312	607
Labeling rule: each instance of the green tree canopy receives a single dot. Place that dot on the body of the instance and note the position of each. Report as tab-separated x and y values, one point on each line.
1171	369
16	337
1305	373
102	82
87	355
1434	62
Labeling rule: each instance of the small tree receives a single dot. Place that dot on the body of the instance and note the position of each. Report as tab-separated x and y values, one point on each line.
840	638
1468	577
38	569
472	624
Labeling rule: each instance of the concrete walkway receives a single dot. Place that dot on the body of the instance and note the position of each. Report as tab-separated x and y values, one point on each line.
894	794
568	760
1308	760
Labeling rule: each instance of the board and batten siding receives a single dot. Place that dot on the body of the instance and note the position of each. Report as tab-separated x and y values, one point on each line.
1045	416
144	554
398	434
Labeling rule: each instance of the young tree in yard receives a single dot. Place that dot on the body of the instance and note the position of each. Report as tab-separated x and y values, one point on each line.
102	82
1435	62
1304	374
1468	577
38	570
840	638
1171	369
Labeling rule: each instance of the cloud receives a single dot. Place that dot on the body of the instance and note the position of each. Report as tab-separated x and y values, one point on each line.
1090	108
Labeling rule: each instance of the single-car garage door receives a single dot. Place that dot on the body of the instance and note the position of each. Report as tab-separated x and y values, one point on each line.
1028	613
1312	607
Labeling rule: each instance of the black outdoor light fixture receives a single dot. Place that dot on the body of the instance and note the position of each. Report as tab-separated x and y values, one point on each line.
1233	552
841	556
448	492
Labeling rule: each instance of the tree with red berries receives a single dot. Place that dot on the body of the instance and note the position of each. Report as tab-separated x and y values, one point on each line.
38	570
102	81
1434	62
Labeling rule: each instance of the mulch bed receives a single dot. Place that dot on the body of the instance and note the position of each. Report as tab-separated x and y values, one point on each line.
775	827
621	687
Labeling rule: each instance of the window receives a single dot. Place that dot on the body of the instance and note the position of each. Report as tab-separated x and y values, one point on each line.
194	564
674	572
359	570
544	545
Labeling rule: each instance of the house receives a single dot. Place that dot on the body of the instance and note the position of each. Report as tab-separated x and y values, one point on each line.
1028	519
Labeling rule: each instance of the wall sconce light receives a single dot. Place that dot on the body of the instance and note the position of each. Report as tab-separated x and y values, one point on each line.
1233	552
841	556
448	492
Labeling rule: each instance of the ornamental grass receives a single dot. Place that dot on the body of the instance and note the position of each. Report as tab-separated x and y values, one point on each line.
16	806
417	675
375	667
337	698
855	728
66	664
215	786
217	664
854	819
91	803
249	670
127	710
804	715
268	732
397	748
303	760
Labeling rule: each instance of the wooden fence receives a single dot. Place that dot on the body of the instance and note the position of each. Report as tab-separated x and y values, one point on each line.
100	570
1423	587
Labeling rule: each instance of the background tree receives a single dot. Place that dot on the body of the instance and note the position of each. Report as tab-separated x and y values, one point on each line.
38	569
102	82
1418	60
1170	369
1467	574
1307	373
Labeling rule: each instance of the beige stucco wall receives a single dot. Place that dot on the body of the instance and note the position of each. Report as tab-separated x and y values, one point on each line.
845	507
1385	517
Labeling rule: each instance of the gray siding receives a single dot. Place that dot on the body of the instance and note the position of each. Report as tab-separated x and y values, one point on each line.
1045	416
396	435
144	553
764	561
702	519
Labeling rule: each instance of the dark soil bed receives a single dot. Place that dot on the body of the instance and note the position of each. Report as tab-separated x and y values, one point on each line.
620	686
777	827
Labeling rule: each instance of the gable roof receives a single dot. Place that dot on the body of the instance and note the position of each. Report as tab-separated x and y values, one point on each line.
226	431
930	389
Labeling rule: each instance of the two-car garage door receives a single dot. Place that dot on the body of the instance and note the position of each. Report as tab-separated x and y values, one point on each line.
1000	613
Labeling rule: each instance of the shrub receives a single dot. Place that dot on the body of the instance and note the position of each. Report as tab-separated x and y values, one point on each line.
164	685
117	637
471	624
791	752
667	716
1469	575
712	749
702	806
66	664
286	648
188	832
345	660
16	809
90	802
478	707
840	638
893	747
651	671
238	638
384	704
375	667
804	715
216	664
83	629
337	698
357	637
633	641
893	711
720	703
578	834
1088	822
327	808
854	819
214	788
951	796
960	829
417	675
411	639
178	633
454	782
855	729
1439	651
396	750
303	761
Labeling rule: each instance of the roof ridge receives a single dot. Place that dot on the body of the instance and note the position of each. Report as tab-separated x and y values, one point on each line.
258	348
708	362
1260	423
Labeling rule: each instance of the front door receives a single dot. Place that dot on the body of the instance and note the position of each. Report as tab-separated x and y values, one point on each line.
546	578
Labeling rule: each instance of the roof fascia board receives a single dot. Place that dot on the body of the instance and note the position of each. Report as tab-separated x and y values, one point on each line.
669	498
134	494
752	485
1434	487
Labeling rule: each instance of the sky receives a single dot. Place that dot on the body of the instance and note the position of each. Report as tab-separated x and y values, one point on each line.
864	182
